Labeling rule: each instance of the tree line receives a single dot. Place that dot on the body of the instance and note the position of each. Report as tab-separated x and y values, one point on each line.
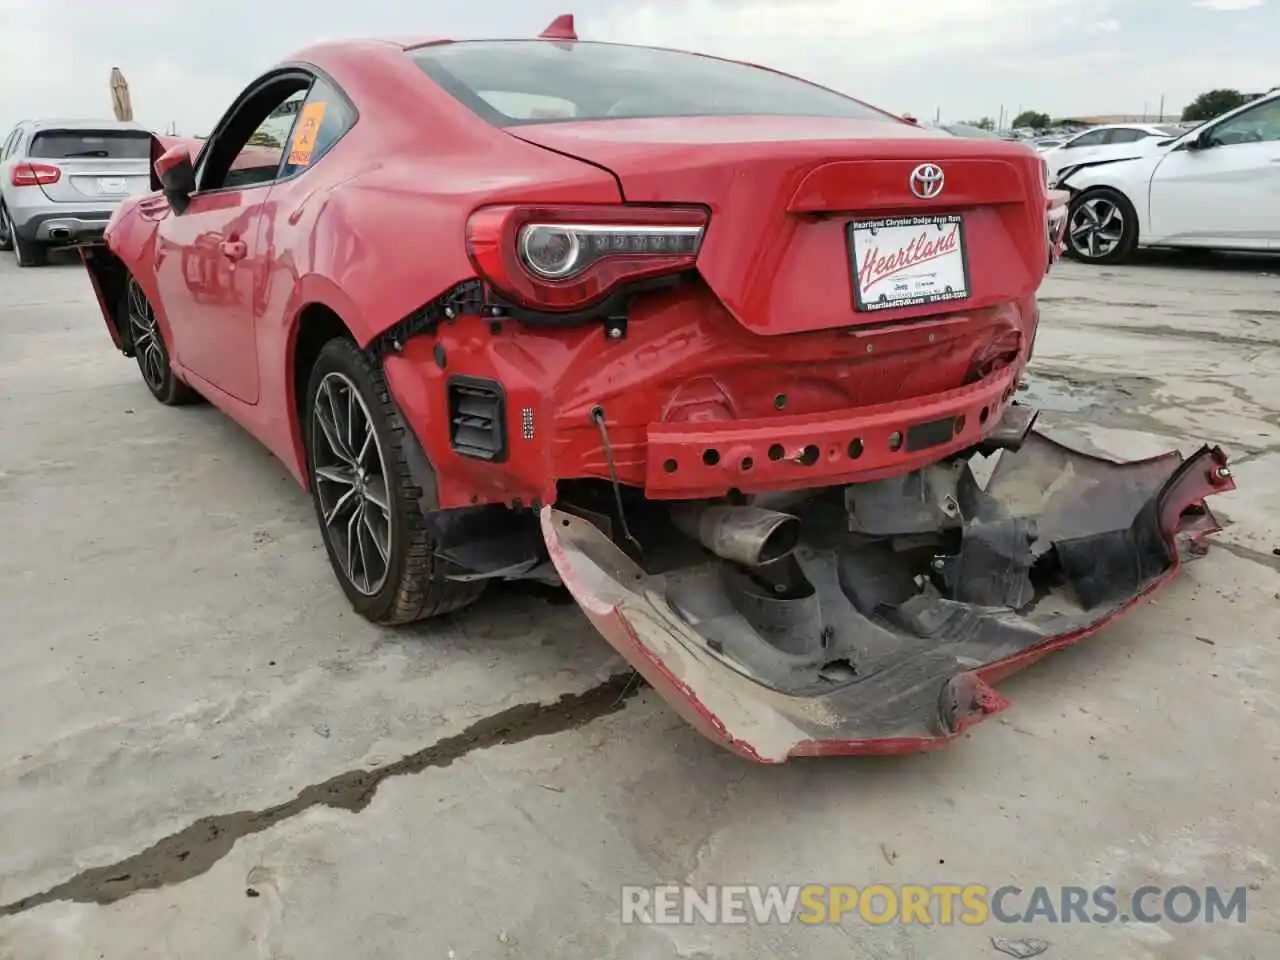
1210	104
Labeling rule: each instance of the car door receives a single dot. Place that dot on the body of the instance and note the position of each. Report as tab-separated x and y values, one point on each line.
210	255
1221	187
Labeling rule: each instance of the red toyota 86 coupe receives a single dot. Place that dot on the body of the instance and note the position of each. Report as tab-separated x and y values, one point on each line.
730	356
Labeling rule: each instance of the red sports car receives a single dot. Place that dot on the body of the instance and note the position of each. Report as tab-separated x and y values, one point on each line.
727	354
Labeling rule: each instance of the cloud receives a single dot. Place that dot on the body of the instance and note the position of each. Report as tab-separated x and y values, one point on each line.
966	58
1229	5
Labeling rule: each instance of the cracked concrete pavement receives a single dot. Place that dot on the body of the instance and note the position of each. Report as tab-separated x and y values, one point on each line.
205	754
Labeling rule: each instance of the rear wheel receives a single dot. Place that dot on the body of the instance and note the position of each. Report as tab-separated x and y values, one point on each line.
6	231
27	253
150	351
367	505
1102	227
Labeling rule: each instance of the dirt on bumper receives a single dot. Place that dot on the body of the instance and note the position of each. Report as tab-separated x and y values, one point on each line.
1054	546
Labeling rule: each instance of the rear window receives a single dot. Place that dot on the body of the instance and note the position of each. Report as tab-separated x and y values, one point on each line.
974	133
89	144
512	82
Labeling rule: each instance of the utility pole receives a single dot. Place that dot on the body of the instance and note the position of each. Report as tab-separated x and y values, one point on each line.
1162	108
937	114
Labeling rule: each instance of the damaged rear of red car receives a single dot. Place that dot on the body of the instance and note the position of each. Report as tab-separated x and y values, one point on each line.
739	371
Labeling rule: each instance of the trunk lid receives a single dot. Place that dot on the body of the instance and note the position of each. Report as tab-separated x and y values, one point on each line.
785	194
96	165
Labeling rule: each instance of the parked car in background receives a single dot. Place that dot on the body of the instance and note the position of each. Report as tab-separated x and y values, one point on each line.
1216	186
60	181
1047	143
1105	143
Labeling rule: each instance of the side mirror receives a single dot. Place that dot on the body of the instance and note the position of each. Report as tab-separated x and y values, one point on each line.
176	175
1200	141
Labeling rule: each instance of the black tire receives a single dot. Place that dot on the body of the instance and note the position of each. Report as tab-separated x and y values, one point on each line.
150	351
6	231
409	587
1088	240
27	253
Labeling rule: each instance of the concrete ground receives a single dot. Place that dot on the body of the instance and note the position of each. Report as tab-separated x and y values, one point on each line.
204	754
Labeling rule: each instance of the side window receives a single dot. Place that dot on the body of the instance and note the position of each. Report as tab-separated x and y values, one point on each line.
1094	138
10	144
259	159
1126	136
249	142
323	119
1257	125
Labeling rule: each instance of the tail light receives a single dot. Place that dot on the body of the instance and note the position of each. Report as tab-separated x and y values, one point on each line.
34	174
568	258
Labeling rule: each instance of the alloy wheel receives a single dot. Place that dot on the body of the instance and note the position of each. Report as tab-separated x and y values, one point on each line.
350	478
1096	228
148	346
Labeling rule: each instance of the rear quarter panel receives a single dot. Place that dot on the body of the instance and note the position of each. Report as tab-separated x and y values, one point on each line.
379	224
376	228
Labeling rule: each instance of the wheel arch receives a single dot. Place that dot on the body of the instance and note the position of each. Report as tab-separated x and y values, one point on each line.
1119	198
314	325
1119	176
109	278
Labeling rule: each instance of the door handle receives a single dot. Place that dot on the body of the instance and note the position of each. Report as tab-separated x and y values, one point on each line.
235	249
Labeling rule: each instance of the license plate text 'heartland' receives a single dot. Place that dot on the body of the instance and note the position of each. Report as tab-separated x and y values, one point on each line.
908	261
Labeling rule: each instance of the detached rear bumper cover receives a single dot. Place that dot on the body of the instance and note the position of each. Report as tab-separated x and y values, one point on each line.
904	666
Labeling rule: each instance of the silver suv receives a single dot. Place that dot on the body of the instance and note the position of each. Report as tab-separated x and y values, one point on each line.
60	181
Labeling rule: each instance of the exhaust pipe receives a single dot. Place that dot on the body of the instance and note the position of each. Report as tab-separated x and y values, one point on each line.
750	536
59	233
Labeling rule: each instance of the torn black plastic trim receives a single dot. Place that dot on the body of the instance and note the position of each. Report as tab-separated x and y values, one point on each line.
110	277
467	297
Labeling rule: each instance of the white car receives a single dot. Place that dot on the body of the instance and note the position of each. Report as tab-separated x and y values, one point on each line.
1110	142
1217	186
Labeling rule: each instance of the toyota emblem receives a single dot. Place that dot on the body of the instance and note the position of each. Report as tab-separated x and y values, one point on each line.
927	180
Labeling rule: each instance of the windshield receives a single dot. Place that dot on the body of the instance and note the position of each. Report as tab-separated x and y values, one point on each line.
538	81
75	144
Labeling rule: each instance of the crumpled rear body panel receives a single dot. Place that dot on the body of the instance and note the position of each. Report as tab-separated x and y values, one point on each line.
1053	546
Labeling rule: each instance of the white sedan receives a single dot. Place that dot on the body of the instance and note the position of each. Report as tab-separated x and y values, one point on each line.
1217	186
1109	142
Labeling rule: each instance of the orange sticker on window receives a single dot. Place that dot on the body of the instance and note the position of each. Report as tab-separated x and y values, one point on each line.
308	130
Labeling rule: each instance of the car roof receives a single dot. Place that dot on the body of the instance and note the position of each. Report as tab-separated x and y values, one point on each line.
1136	125
81	124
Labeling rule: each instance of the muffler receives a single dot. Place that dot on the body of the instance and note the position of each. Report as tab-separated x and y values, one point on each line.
59	234
751	536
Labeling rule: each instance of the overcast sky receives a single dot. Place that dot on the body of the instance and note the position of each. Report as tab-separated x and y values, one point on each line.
185	61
